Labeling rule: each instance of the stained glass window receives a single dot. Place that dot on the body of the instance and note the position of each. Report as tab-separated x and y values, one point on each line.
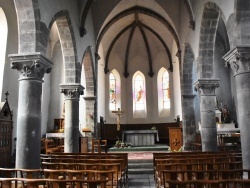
165	90
112	92
139	95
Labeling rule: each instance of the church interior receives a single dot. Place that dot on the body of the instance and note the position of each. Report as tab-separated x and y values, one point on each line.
83	77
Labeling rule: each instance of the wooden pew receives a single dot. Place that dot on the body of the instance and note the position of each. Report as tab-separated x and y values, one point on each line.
123	156
51	183
116	167
107	175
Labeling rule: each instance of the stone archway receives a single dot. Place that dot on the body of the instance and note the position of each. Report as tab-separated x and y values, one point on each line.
90	94
209	25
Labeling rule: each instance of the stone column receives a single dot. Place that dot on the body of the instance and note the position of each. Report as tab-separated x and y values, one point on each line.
31	69
72	93
239	61
206	88
188	120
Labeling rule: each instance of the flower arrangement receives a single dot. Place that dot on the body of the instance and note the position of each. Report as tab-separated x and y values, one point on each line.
121	144
179	150
153	128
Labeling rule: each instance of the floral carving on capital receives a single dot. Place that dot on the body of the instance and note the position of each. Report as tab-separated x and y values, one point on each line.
206	87
239	60
30	66
30	69
72	93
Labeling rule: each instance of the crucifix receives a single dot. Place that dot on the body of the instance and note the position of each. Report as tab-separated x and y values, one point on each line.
118	113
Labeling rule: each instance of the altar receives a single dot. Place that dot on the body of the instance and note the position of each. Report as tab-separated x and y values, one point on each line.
140	137
54	135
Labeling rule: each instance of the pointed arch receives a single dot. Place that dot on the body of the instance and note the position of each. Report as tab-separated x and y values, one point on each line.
139	95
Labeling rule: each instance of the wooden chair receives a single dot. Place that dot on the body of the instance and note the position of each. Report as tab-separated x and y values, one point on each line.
197	145
231	143
98	145
43	145
50	146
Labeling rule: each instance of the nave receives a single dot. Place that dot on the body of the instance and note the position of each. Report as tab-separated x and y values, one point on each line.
135	169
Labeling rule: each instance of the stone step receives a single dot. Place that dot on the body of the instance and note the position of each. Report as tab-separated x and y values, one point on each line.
141	171
131	161
140	165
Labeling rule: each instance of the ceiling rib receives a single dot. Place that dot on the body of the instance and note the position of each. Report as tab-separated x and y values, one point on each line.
141	10
126	74
106	70
163	43
151	73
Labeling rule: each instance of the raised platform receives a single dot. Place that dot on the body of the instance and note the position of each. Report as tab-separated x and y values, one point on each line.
156	147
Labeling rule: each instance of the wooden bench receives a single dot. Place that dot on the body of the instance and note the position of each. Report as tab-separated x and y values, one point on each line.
116	167
105	178
49	183
123	156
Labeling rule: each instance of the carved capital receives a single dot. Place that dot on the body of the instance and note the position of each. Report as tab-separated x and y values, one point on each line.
30	66
206	87
72	91
238	59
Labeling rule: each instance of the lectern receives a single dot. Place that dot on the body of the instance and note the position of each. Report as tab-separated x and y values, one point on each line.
175	138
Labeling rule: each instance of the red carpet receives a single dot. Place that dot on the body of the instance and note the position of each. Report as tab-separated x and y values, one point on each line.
140	155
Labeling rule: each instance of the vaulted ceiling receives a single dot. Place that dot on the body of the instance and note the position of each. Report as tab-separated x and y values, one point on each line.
136	26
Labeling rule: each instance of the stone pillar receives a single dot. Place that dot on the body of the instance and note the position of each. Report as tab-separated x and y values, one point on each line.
239	61
72	93
188	120
206	88
31	69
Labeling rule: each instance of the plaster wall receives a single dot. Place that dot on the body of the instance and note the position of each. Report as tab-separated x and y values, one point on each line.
224	92
100	86
56	78
176	85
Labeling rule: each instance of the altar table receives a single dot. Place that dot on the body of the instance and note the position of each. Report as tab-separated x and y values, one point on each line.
140	137
54	135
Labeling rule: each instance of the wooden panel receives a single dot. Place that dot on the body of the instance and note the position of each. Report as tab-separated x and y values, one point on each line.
84	144
5	143
175	138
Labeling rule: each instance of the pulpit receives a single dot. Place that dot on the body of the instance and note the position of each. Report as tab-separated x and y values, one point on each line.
175	138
